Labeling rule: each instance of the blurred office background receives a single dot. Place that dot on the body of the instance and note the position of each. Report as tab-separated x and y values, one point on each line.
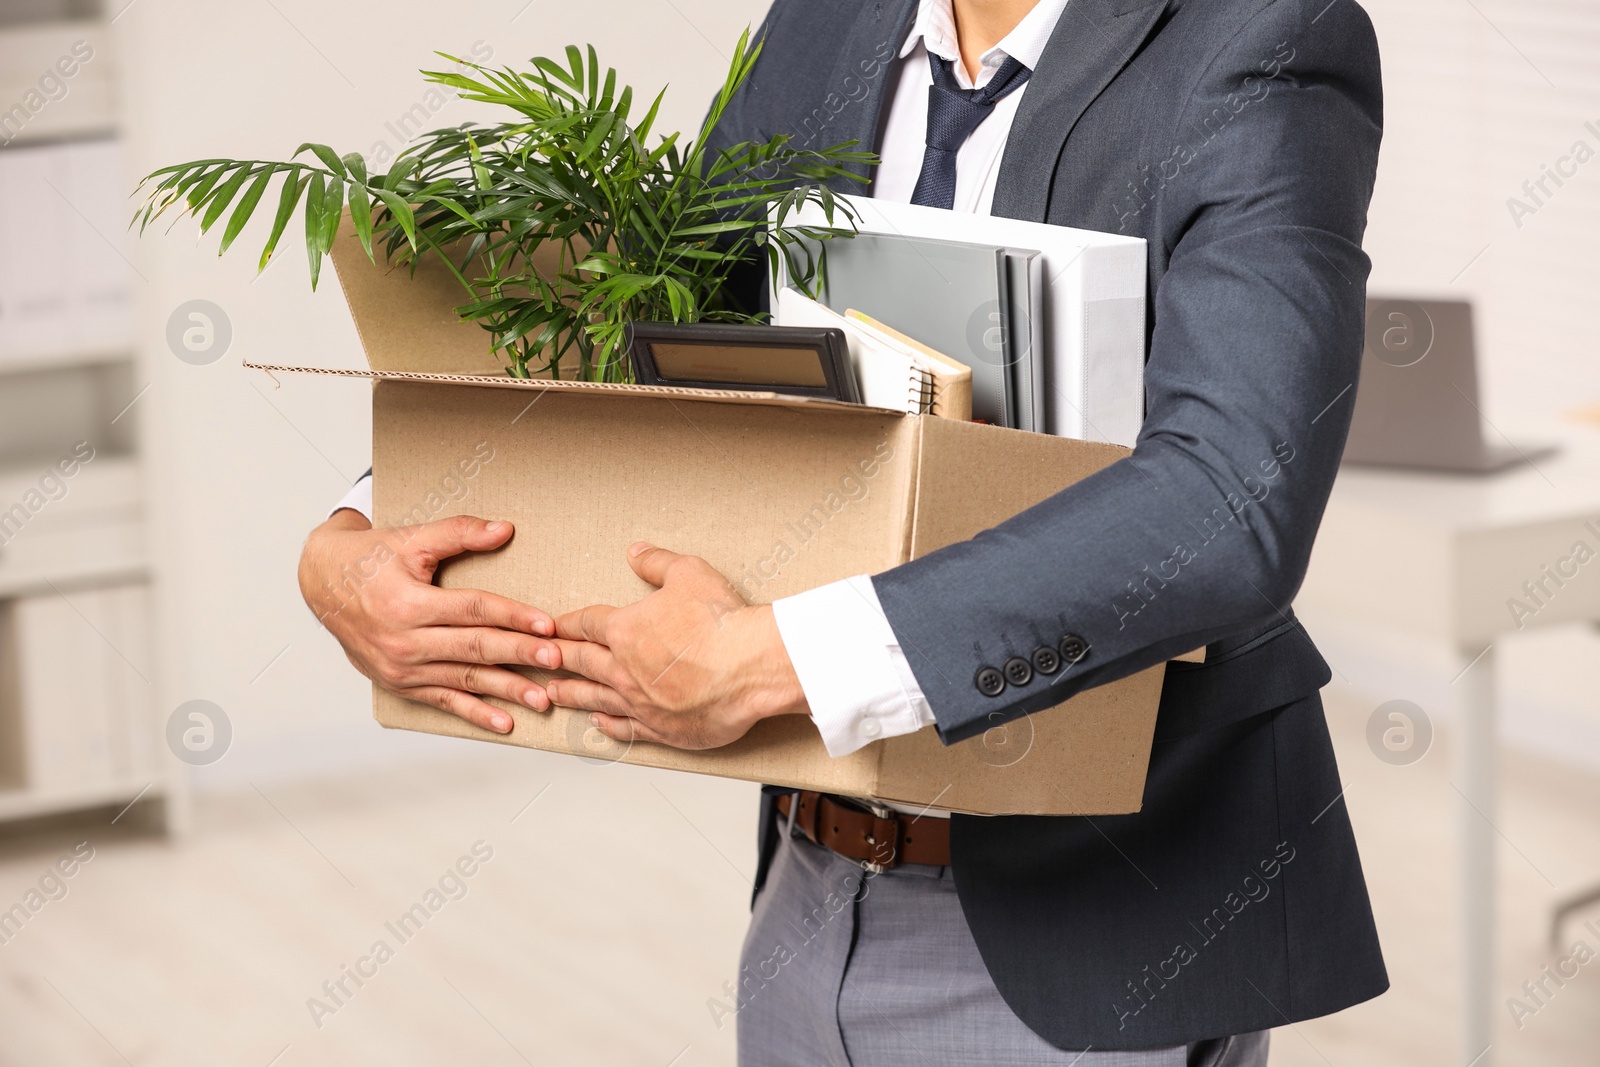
211	902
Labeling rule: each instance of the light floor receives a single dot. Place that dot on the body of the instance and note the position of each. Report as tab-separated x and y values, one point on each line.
612	910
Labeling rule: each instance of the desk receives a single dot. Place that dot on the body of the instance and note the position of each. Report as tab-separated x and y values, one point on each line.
1447	557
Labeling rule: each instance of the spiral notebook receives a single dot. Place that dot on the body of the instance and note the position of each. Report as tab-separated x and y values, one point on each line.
893	370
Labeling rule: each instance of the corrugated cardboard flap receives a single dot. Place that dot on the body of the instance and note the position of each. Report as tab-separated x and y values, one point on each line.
406	319
505	381
406	316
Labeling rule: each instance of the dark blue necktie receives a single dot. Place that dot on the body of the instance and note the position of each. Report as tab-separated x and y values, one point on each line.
953	113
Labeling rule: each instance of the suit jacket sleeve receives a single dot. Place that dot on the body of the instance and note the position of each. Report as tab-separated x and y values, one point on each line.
1258	325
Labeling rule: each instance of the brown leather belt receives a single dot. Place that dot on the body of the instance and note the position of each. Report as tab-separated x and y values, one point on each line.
868	839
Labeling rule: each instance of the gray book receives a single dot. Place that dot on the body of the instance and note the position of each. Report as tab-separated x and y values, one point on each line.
1024	335
952	296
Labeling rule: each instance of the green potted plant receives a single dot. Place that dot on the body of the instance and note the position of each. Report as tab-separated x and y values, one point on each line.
637	232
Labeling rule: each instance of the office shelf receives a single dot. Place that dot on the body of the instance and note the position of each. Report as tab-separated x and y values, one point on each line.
23	803
74	564
62	108
66	359
67	577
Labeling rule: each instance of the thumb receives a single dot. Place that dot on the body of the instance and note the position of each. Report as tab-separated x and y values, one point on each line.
689	573
433	541
651	563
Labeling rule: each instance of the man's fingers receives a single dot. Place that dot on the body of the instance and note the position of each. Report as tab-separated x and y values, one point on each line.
474	607
431	542
588	659
585	695
623	728
486	644
464	705
585	624
487	681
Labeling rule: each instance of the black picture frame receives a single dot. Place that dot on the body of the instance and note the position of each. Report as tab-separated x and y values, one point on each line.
828	344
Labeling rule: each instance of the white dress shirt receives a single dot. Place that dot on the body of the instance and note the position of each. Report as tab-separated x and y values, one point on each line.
855	676
905	128
359	498
857	680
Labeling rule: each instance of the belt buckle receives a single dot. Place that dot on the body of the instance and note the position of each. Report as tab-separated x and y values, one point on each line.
882	814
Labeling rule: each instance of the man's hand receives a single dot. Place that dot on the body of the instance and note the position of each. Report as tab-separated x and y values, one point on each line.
691	665
373	590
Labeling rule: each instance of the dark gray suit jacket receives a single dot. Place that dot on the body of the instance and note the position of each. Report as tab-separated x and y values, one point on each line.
1240	139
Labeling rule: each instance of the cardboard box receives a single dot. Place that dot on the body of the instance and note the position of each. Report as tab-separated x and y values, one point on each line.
780	493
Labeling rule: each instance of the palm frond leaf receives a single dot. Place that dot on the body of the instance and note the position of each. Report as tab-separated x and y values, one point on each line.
562	223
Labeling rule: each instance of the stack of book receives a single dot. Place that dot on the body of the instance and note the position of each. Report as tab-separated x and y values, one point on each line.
1048	320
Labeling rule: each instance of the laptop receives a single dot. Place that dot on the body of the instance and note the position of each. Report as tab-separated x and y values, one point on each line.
1418	404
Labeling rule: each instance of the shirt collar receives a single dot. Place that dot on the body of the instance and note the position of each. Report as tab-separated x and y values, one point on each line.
935	29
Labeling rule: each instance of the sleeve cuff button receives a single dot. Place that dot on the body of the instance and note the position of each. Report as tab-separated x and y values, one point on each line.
1073	648
1018	671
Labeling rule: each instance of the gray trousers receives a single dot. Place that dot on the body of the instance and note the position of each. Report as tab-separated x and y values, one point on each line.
842	968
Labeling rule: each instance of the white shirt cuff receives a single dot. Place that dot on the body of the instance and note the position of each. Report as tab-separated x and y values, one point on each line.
359	498
856	679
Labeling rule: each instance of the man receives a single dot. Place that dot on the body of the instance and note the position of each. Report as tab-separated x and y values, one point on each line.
1240	139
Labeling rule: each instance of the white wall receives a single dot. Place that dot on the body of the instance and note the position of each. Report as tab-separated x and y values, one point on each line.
1480	95
243	469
